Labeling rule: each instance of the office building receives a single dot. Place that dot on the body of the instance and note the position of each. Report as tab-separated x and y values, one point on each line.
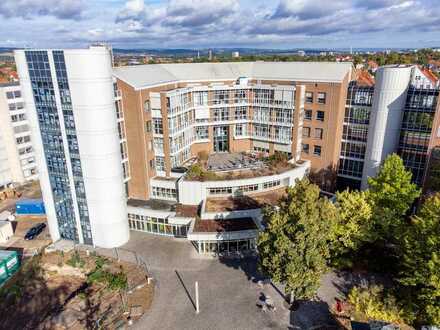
223	116
70	100
196	150
17	159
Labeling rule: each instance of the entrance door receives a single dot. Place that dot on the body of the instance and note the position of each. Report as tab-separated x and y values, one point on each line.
221	138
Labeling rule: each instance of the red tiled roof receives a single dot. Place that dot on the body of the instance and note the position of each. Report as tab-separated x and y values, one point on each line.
364	78
430	75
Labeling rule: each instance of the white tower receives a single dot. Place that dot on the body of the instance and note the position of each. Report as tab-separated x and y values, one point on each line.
70	101
386	117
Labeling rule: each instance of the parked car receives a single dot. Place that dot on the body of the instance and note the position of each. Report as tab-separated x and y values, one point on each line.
34	231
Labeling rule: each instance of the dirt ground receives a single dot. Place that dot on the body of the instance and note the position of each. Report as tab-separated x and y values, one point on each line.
29	190
49	292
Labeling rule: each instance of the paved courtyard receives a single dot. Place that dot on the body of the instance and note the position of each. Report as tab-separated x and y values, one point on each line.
229	291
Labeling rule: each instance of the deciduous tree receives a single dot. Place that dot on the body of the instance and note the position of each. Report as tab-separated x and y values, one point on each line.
420	269
294	246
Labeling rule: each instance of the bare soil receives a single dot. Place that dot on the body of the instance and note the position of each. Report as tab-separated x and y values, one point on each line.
50	293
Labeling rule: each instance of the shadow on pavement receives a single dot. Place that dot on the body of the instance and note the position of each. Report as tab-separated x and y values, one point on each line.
186	290
312	315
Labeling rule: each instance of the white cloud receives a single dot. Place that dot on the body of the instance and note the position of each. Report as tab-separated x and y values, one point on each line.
63	9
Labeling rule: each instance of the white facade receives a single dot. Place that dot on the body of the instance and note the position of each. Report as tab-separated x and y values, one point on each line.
16	135
194	192
420	80
5	172
389	98
94	137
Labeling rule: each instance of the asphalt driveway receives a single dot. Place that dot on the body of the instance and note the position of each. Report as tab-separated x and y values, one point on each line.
229	289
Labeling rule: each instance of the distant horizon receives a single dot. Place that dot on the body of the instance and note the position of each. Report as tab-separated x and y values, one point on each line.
139	48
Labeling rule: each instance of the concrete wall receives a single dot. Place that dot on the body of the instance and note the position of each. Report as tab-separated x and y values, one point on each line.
386	117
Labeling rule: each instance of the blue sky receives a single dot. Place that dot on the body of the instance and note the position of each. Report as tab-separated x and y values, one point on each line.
220	23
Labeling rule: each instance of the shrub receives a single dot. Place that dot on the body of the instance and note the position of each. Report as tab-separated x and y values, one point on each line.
117	281
372	303
76	260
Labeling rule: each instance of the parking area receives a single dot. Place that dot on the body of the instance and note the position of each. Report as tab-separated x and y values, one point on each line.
229	289
20	226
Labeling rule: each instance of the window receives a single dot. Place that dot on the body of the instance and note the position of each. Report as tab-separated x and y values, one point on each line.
17	94
308	114
160	192
220	191
309	97
221	114
240	130
23	139
306	132
9	95
318	133
305	148
202	132
158	144
147	107
240	113
200	98
320	115
148	126
271	184
321	98
152	164
248	188
317	150
160	163
221	97
158	127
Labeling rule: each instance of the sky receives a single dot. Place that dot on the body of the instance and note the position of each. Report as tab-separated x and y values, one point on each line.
196	24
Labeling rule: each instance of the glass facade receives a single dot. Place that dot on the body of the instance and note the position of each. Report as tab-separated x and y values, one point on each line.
154	225
69	125
51	134
354	136
226	246
416	130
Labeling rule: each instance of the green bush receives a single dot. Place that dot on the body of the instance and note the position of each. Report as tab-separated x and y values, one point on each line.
372	303
76	260
117	281
197	172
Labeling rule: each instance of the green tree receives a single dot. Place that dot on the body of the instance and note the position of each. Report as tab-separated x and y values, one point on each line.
353	226
294	247
420	269
392	193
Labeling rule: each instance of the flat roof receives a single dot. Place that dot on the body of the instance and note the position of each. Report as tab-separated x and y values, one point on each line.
148	75
224	225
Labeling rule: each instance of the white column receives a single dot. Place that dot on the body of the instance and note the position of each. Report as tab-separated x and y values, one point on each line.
386	117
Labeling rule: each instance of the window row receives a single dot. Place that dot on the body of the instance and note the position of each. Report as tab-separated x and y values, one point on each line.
319	115
318	132
317	150
320	97
161	192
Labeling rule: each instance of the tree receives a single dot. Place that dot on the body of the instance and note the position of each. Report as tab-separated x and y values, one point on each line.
420	269
392	193
294	248
353	225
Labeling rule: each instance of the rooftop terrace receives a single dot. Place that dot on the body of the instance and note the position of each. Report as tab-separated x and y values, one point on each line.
248	202
233	166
